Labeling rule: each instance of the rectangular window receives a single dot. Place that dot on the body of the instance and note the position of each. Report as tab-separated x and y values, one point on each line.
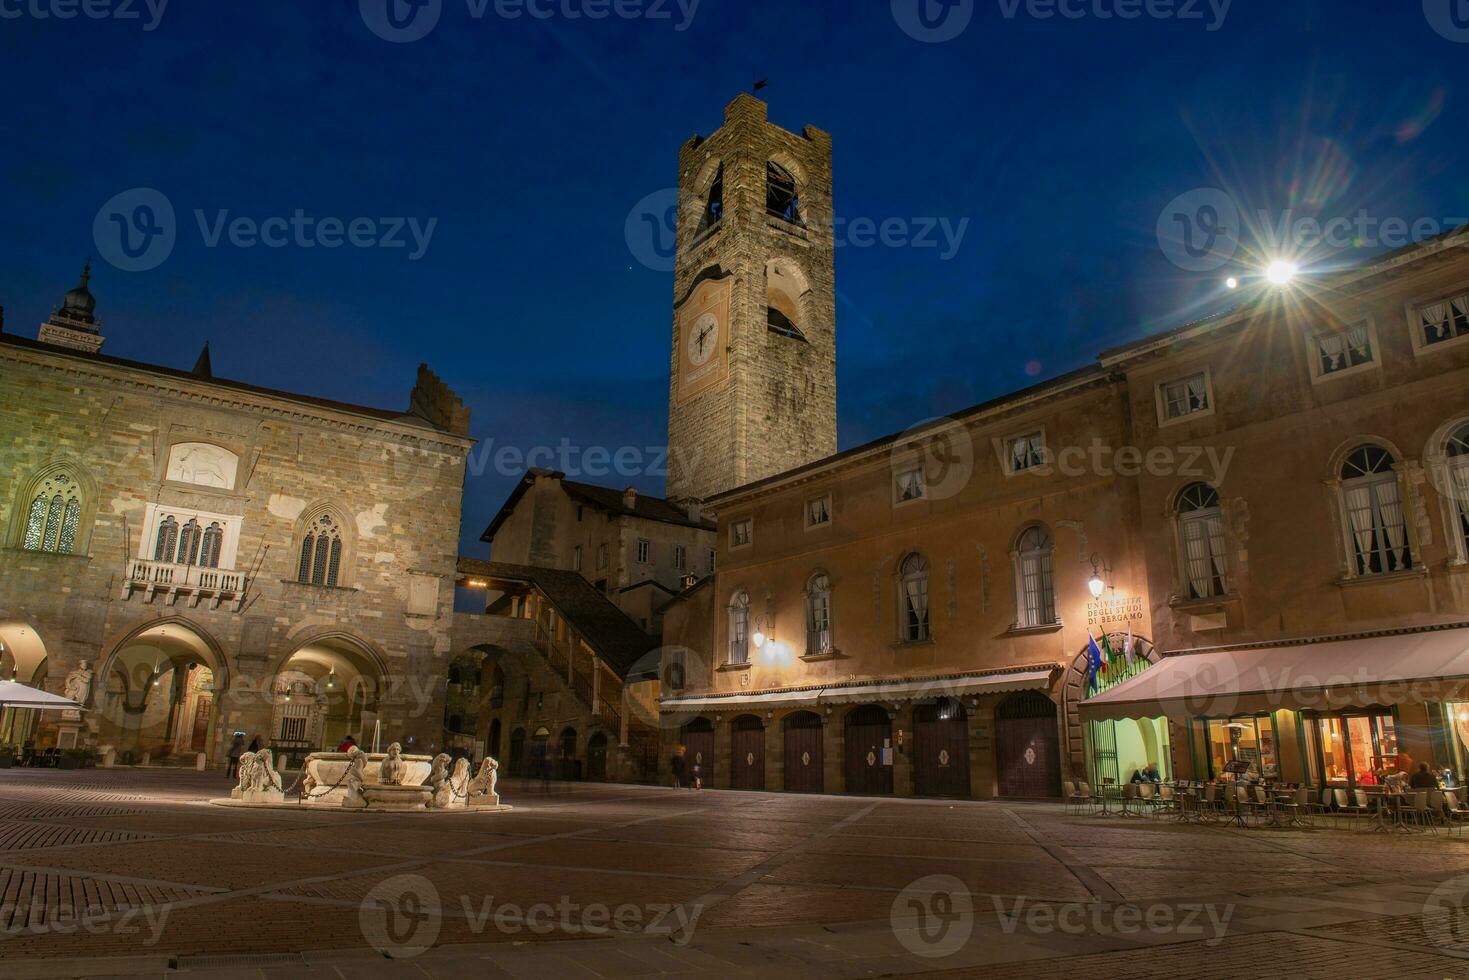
1349	751
1338	349
1243	745
711	561
1186	396
741	532
602	555
645	551
908	485
818	511
680	557
1025	452
576	559
739	634
1437	323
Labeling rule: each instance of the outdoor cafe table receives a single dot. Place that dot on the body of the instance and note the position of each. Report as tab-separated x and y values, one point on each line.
1387	808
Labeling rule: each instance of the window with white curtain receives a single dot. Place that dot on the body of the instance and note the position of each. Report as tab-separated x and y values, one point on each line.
1442	321
1457	453
818	615
54	515
739	628
741	532
1374	506
1025	452
1201	536
1184	397
913	598
909	485
1340	348
1035	588
818	511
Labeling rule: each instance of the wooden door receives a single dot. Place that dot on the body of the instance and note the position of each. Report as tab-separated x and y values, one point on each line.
941	750
869	732
803	757
747	753
597	758
199	738
698	739
1027	747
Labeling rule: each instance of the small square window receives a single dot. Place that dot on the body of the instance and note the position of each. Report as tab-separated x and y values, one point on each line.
818	511
908	485
1441	322
1336	349
741	532
645	551
1025	452
1184	397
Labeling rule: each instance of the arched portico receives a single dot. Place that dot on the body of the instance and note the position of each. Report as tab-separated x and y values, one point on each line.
156	692
22	658
330	686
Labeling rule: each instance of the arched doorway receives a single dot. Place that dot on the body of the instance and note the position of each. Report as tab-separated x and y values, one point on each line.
464	700
803	755
492	742
869	740
698	740
538	754
1027	749
156	695
941	749
568	766
23	659
517	752
597	757
1093	754
747	753
326	690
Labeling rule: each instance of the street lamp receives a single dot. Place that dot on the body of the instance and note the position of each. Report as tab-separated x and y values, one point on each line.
1096	583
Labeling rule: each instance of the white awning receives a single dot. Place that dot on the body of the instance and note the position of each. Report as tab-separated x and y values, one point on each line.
1329	675
860	693
14	694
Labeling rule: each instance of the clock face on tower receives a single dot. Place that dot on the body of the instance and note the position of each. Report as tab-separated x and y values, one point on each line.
702	340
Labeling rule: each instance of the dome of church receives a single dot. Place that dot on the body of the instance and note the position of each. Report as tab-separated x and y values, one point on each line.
79	301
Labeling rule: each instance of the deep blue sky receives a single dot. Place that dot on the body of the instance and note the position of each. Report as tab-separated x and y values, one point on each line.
1061	141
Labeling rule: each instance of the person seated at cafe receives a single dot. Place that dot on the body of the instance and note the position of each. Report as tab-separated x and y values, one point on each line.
1368	778
1423	778
1137	777
1151	774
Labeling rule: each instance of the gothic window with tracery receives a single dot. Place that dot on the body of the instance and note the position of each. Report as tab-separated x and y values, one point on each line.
55	515
321	552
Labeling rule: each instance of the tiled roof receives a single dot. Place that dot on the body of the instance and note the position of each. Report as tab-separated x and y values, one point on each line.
605	627
603	498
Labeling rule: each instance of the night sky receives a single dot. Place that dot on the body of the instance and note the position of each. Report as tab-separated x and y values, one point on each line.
1059	142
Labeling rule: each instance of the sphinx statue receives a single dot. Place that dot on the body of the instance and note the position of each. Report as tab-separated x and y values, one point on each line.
355	778
481	789
393	770
438	781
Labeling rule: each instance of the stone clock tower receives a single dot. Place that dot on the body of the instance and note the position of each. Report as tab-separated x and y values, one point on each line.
753	387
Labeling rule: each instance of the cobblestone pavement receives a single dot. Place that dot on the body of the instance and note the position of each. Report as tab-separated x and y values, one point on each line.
134	872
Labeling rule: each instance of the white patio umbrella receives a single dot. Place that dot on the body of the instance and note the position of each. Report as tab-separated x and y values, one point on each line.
14	694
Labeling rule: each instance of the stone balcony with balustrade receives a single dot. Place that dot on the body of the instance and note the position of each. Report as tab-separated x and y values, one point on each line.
172	582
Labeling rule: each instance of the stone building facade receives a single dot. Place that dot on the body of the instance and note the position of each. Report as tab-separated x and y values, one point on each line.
637	549
1264	515
193	557
752	390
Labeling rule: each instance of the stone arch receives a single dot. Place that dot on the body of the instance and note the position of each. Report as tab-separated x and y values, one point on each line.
787	298
1351	443
1073	692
